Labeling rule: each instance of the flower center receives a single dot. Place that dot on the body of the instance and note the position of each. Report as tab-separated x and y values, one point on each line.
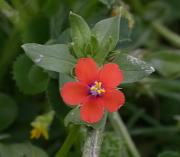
96	88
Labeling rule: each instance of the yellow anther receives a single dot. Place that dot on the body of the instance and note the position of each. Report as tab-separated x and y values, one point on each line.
102	90
97	88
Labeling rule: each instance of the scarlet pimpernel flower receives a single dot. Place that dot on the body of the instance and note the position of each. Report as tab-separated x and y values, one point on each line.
95	89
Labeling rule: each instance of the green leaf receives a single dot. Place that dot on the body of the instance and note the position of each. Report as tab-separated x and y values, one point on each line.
38	76
166	62
8	111
21	150
29	78
80	34
107	34
108	3
133	68
74	117
63	78
169	154
50	57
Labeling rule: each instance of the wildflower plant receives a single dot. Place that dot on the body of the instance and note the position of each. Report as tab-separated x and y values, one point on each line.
89	69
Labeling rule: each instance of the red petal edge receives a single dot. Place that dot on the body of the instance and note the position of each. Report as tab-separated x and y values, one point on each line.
110	75
92	110
86	70
73	93
113	100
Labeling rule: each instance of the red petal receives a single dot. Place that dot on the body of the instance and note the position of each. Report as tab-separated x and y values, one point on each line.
86	70
92	110
113	100
74	93
110	75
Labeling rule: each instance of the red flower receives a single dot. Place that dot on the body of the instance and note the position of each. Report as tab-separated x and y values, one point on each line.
95	91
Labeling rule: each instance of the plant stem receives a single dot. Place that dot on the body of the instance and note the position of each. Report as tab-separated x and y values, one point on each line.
92	146
120	129
68	142
9	12
172	37
169	35
155	131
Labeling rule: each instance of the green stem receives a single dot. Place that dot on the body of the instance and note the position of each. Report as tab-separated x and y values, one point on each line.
155	131
172	37
68	142
92	146
169	35
9	12
120	129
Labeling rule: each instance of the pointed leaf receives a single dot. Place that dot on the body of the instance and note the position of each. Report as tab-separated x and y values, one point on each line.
107	34
80	33
133	68
50	57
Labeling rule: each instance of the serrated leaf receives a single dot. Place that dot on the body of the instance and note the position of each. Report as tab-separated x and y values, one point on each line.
28	79
74	117
107	34
21	150
133	68
80	33
50	57
169	154
8	111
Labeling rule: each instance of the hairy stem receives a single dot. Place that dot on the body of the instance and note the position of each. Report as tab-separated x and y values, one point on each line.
92	146
121	130
68	142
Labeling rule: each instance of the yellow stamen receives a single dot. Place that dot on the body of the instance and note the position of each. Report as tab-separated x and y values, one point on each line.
97	88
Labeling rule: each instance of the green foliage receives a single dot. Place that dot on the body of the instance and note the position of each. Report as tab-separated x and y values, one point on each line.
50	57
29	78
20	150
107	34
8	111
54	97
166	62
169	154
113	146
152	104
80	34
133	68
108	3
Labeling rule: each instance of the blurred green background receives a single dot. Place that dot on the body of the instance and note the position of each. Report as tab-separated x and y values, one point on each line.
152	110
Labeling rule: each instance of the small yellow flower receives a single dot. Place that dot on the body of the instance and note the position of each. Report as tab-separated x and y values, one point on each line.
37	131
41	125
